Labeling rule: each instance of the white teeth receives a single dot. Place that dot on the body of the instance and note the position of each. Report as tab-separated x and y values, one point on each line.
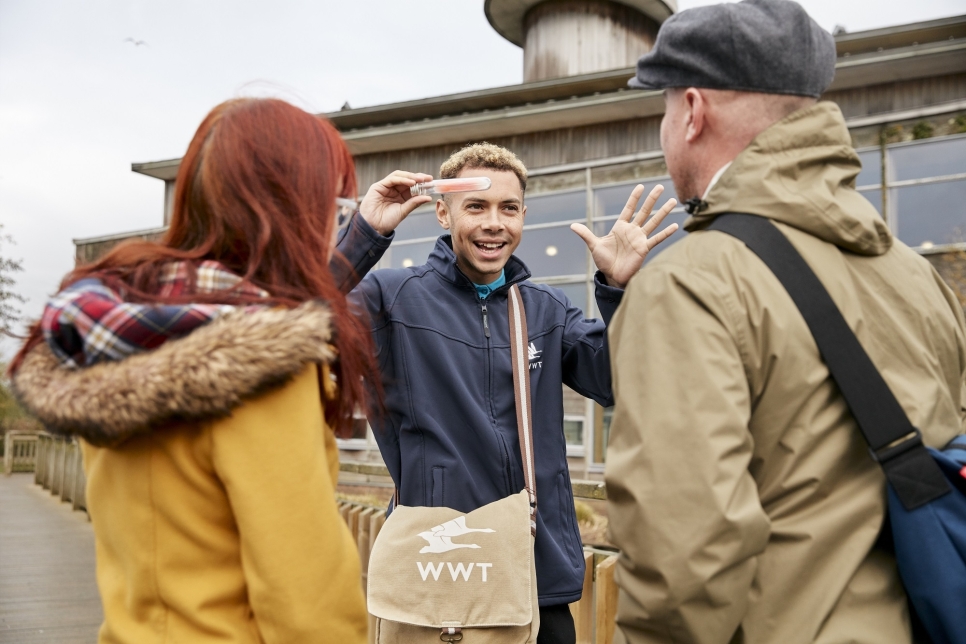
490	246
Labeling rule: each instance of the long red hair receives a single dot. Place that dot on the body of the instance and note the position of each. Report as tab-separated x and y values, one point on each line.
256	191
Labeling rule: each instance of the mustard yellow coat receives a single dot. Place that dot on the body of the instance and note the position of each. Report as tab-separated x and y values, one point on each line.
222	529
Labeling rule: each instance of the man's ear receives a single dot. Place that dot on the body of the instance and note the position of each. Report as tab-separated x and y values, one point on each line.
697	112
442	213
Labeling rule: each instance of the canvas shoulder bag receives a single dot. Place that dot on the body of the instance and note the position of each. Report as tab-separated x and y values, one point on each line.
437	574
926	487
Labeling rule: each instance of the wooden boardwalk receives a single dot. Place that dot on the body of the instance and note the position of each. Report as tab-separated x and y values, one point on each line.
47	589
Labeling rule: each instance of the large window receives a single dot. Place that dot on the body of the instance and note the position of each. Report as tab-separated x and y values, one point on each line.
925	189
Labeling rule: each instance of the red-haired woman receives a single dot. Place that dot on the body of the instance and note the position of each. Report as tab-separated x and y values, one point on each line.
207	375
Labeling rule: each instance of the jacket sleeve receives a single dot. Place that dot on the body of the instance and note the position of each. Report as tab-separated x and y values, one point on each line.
586	362
358	250
683	507
300	563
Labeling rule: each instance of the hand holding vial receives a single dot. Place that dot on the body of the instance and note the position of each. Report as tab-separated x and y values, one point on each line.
389	202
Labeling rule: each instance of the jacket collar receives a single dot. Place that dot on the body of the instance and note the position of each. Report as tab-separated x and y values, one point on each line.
201	376
443	261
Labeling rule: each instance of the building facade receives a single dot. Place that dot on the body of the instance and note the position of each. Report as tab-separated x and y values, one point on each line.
587	140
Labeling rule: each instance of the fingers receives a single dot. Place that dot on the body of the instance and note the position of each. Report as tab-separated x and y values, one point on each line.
645	210
412	203
661	236
399	182
631	205
584	233
659	216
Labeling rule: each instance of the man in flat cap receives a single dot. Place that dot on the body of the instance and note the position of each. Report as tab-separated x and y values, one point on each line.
742	495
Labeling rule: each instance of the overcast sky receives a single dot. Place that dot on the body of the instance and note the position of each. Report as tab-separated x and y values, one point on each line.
79	102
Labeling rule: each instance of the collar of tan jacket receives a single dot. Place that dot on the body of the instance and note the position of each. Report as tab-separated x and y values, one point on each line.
201	376
714	180
801	172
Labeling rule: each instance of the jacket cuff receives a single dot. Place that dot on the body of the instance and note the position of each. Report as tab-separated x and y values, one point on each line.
608	297
362	248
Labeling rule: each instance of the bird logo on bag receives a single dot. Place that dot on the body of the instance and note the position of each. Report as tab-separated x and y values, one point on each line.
440	538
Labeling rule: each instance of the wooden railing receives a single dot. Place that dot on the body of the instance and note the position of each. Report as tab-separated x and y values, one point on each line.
582	489
19	452
59	468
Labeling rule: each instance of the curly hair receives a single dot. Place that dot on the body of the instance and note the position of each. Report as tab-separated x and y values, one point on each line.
484	156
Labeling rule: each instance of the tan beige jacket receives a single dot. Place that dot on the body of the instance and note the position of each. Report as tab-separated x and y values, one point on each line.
742	495
214	511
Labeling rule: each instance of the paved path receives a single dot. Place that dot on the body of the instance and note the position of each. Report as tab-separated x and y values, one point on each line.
47	589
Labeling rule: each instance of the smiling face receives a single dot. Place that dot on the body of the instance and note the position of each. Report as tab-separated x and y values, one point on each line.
486	226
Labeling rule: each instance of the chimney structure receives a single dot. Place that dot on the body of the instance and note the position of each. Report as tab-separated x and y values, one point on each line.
571	37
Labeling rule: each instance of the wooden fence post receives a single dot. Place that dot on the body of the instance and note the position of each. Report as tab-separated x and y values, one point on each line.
8	454
79	495
362	541
376	521
28	453
70	462
60	458
41	459
51	452
583	610
605	600
375	526
353	520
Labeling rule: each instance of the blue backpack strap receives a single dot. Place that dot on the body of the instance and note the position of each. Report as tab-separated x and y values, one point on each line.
893	441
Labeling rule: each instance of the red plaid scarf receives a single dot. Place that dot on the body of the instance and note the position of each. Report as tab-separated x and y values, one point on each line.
88	322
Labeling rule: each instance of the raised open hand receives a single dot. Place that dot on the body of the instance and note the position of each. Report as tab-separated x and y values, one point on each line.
620	253
389	201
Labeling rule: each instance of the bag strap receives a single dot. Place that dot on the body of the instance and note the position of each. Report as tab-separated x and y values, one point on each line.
893	441
521	394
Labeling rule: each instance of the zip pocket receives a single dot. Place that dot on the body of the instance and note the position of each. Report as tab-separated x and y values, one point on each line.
439	498
507	467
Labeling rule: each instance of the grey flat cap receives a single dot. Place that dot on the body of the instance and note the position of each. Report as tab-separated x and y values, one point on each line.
769	46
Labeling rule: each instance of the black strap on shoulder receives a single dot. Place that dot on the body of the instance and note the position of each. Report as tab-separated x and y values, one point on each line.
893	441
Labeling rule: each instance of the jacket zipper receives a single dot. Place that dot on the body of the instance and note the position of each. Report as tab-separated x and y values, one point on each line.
507	463
486	320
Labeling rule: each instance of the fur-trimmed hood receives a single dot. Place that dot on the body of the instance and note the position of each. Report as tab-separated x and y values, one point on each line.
201	376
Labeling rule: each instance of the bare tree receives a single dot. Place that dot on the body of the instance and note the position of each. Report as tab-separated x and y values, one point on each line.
9	313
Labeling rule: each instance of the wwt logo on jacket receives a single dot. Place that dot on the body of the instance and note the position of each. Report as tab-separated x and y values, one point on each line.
534	356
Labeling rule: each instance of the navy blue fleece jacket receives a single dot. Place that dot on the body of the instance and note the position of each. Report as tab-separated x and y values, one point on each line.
449	437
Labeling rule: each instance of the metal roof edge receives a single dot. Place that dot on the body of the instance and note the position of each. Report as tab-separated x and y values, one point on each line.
909	27
166	170
119	236
448	104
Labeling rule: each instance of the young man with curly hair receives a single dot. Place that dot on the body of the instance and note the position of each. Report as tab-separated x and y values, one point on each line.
449	434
